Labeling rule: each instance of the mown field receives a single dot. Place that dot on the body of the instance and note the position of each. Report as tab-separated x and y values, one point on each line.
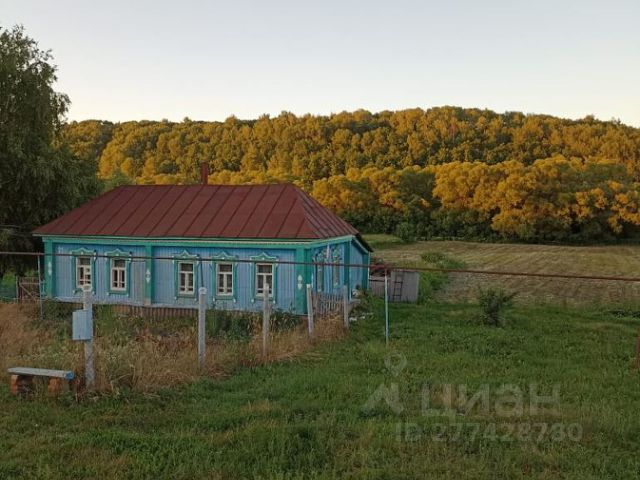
317	416
608	260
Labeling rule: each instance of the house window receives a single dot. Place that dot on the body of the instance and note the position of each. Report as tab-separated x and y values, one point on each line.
186	284
225	279
118	275
264	277
83	272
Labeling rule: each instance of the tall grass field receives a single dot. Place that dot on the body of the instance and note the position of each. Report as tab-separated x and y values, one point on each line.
553	392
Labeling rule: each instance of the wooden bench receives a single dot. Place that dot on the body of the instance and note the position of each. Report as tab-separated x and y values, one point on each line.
22	379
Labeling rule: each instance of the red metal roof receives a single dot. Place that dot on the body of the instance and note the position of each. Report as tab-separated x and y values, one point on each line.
280	211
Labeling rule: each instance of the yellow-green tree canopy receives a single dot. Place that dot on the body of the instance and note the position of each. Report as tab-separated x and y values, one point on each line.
444	171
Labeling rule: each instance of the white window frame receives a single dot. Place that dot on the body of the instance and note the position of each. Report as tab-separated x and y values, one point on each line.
225	288
114	283
81	272
183	289
264	276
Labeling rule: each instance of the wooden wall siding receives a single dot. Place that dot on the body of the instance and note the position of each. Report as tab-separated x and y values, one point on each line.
356	273
164	291
64	266
156	313
164	277
163	286
150	312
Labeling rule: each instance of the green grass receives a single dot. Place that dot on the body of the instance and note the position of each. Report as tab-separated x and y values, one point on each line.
595	260
433	282
381	241
307	418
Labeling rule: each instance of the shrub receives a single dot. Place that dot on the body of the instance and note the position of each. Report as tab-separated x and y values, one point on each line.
57	311
406	232
283	320
493	302
364	306
431	282
231	325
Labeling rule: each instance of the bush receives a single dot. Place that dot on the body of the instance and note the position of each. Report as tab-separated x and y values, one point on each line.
431	282
231	325
493	302
406	232
364	306
283	320
55	310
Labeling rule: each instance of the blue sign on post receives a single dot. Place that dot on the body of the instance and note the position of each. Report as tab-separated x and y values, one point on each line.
82	325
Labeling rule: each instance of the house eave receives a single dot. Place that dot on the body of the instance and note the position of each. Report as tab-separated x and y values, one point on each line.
206	241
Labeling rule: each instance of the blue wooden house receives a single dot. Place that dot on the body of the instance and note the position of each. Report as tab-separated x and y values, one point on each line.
155	245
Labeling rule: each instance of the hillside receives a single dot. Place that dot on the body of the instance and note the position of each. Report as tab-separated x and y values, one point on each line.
440	172
313	147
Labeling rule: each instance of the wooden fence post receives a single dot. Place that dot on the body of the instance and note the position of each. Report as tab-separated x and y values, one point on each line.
202	324
89	368
266	315
345	305
310	309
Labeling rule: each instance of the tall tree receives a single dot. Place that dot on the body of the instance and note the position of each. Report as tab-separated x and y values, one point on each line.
39	176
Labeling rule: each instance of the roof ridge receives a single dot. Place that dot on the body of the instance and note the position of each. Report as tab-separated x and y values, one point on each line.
300	199
317	214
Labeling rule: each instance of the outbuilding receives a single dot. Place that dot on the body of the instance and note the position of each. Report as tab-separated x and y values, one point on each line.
155	245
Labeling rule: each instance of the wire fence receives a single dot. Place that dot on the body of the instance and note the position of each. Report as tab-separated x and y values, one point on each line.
247	311
327	278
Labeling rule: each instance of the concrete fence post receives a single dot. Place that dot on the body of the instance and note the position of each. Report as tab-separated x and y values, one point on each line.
310	309
345	305
266	316
202	324
89	368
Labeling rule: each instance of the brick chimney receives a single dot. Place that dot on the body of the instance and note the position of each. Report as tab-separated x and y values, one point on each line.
204	173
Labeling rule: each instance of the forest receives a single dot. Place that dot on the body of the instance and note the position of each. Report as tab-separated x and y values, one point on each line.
441	172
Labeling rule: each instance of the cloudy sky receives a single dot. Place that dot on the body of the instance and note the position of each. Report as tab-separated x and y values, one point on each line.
126	60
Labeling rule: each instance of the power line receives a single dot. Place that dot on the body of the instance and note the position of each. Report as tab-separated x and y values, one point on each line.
386	268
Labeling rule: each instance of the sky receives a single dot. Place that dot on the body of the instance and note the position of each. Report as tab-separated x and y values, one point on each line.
208	60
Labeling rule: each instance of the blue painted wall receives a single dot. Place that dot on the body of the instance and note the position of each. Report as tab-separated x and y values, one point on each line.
64	272
357	275
290	280
244	295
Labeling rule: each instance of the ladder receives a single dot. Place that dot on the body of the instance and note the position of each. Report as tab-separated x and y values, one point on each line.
396	295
